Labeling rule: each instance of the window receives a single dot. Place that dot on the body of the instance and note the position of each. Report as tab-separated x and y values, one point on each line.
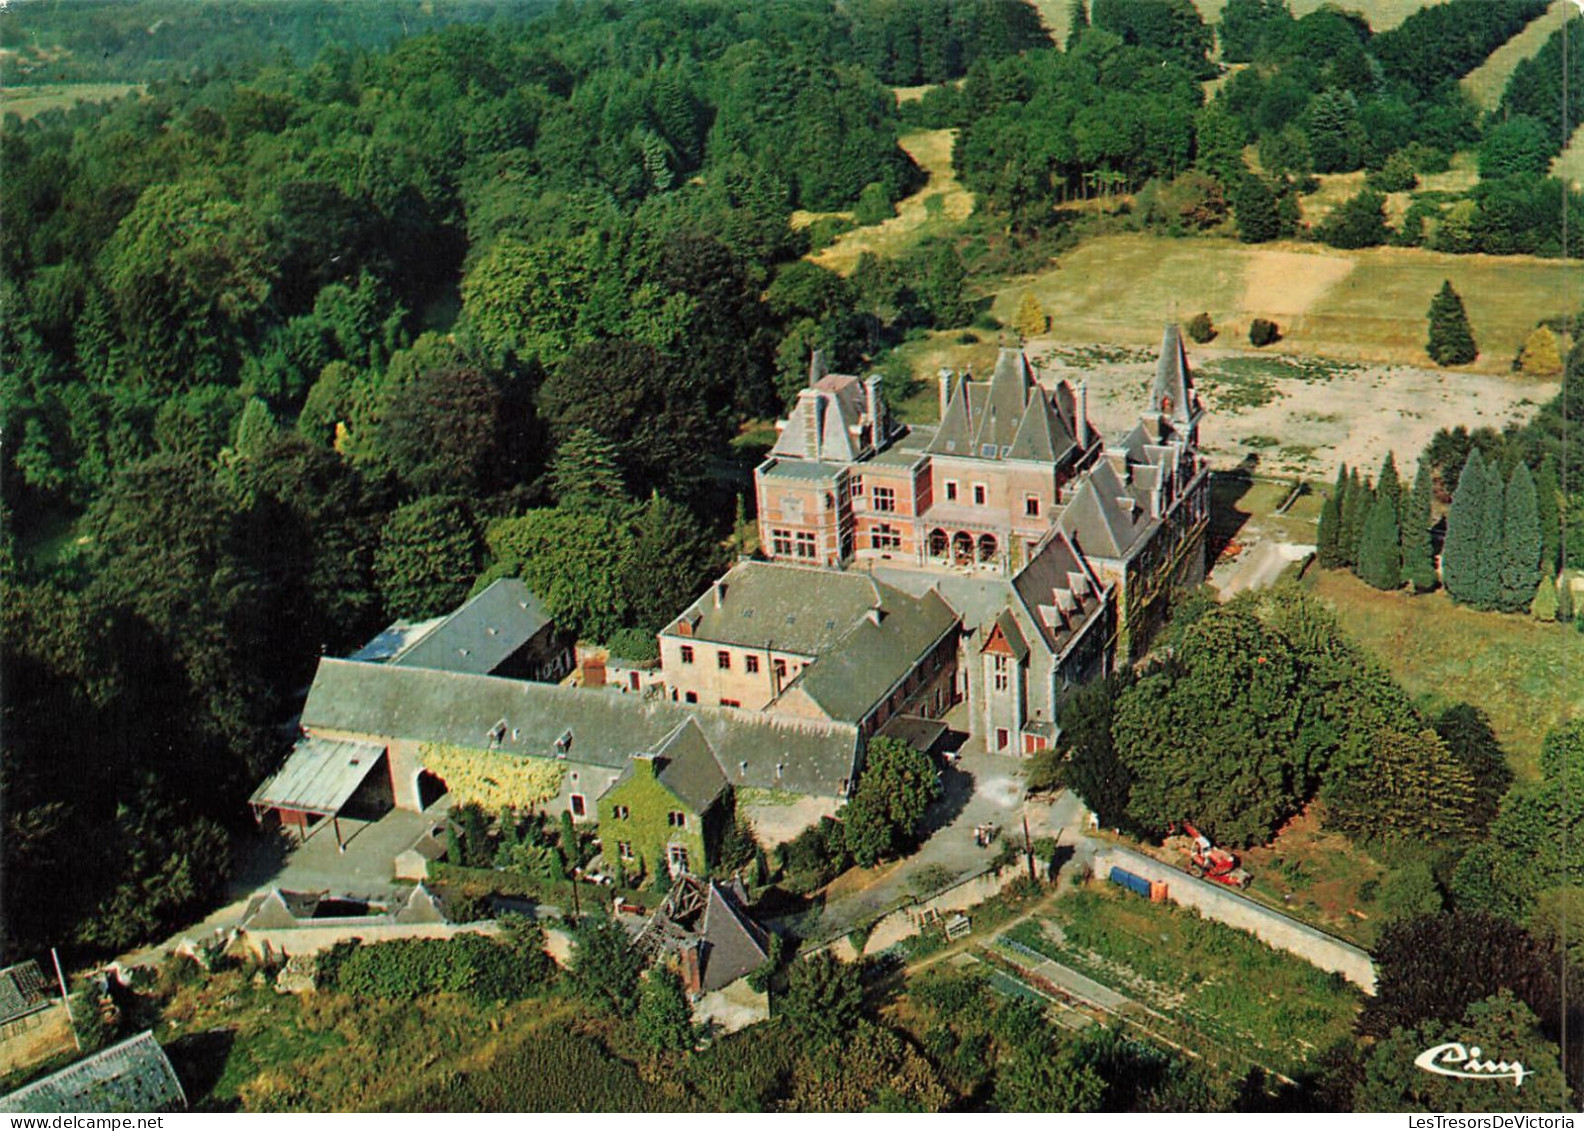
731	702
951	490
884	498
579	805
856	485
1031	505
781	542
751	664
723	660
807	545
676	819
885	537
687	653
779	667
677	858
624	849
1002	738
620	812
690	697
1001	678
979	494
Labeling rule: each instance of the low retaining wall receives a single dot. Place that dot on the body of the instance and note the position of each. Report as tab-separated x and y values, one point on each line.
905	921
1218	902
274	942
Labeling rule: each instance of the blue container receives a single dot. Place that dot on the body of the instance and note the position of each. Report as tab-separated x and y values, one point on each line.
1136	884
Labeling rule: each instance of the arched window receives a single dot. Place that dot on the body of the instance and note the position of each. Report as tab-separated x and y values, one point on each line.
987	547
938	543
962	548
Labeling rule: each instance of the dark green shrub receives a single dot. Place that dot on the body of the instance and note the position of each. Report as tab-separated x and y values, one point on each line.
1263	332
1200	328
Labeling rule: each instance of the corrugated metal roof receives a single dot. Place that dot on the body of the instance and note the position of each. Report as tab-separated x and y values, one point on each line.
320	776
134	1075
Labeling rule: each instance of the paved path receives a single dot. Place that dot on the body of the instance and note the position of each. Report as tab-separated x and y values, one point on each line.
1064	978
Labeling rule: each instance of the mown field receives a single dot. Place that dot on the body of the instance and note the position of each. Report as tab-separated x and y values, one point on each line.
1367	305
935	209
31	101
1569	165
1525	675
1487	81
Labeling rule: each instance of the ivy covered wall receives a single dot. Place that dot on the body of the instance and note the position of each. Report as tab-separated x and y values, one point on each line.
647	828
492	778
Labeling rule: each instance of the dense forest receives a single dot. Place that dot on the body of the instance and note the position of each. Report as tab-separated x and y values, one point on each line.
299	344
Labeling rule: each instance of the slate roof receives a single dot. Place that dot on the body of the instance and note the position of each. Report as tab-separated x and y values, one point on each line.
1105	517
1174	379
1059	593
871	658
839	405
133	1076
482	634
1011	416
732	944
319	776
788	608
519	717
23	990
687	767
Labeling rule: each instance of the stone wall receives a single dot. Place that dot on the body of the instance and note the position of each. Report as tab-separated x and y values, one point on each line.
1218	902
314	940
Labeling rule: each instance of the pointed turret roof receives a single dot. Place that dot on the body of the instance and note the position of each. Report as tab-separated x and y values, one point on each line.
1173	393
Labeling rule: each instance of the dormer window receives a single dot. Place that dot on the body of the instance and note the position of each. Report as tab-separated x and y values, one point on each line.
564	743
497	733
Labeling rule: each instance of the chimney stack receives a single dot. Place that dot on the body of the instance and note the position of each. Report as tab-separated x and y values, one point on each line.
720	593
875	403
816	367
1083	416
809	408
945	379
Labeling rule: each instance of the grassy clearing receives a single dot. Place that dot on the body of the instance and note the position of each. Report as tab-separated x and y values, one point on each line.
1223	983
1382	14
1367	305
1320	876
1486	82
1524	674
1569	165
935	209
31	101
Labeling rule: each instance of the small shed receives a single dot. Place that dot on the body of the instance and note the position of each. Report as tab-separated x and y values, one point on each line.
320	779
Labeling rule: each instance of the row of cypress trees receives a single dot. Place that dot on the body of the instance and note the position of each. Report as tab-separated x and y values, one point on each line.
1496	554
1381	529
1503	536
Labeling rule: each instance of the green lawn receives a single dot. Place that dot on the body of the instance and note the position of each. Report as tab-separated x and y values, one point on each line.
1525	675
1225	984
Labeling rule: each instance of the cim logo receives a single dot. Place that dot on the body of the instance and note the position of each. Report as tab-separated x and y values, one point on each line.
1454	1059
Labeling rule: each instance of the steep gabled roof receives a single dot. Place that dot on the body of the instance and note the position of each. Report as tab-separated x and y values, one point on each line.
1043	435
1105	518
1058	592
876	653
732	945
688	767
1007	634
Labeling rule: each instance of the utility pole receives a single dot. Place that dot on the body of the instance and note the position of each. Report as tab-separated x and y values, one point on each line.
65	998
1028	848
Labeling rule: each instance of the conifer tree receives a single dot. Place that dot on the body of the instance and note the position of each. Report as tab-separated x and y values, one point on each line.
1489	553
1029	321
1418	563
1460	551
1380	554
585	474
1548	505
1077	22
1520	563
1451	341
1355	509
1540	356
1544	605
1328	540
1389	485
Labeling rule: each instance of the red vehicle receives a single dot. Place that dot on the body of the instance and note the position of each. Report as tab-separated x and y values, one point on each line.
1207	862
